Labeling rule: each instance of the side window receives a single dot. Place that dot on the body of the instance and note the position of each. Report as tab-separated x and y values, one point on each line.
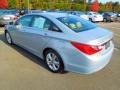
38	22
107	14
55	28
24	21
44	24
51	26
47	25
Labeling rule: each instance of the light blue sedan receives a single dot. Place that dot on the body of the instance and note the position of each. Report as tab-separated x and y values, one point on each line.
66	42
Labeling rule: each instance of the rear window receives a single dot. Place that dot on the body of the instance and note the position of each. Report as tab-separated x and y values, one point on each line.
111	13
77	24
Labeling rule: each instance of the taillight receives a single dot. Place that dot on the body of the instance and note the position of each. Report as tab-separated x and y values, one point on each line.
15	17
88	49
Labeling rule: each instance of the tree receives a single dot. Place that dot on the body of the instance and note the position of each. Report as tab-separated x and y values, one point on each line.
79	1
95	6
12	4
3	4
115	7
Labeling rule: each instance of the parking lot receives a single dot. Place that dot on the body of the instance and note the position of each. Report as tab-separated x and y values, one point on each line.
20	70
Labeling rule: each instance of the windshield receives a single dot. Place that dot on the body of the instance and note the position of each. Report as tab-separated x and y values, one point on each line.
77	24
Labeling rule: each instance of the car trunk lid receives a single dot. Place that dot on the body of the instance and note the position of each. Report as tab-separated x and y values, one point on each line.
96	36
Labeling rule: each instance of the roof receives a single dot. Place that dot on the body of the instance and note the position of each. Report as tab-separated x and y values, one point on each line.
55	15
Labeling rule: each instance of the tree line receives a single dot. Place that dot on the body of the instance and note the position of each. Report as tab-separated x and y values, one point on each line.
82	5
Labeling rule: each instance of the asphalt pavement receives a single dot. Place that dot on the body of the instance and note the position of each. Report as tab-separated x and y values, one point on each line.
115	28
21	70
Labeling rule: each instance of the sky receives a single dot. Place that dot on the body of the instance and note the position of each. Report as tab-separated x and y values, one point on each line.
104	1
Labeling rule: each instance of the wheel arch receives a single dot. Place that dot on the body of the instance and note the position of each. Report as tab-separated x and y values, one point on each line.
49	48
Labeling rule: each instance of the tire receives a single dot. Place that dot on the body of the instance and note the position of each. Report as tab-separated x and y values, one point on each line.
90	19
8	38
54	61
105	20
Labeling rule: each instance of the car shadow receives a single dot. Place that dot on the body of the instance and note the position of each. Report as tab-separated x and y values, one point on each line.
25	53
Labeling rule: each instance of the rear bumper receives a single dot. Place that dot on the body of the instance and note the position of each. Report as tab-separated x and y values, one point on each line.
89	64
97	19
113	19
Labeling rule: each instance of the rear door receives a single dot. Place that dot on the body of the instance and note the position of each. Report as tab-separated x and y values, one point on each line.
40	34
